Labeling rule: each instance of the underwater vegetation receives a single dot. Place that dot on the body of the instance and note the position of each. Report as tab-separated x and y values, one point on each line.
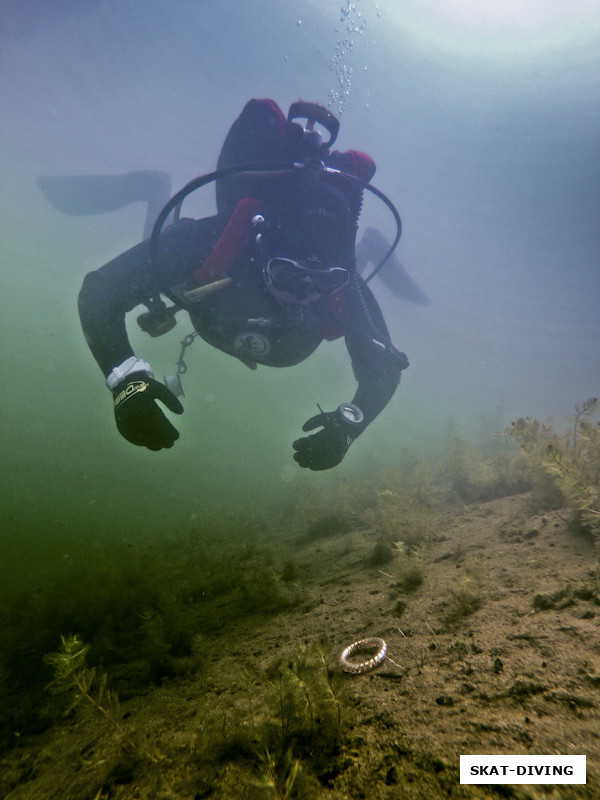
410	568
95	620
142	610
473	478
289	743
466	595
565	468
72	676
405	517
327	525
417	498
309	711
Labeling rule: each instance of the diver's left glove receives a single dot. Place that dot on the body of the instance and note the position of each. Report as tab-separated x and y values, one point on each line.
138	417
325	449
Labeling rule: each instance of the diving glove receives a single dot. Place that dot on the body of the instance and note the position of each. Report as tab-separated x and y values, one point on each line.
139	418
325	449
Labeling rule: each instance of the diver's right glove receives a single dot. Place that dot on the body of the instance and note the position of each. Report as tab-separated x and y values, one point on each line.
139	419
326	448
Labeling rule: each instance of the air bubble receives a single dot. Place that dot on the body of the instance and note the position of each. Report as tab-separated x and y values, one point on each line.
354	23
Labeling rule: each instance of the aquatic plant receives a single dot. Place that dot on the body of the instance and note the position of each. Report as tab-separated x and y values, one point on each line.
139	606
306	701
283	777
475	478
509	469
326	526
263	590
566	467
300	741
291	738
465	598
405	516
155	646
410	570
466	594
458	467
382	552
72	676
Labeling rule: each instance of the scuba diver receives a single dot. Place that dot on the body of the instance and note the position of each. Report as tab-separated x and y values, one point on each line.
265	280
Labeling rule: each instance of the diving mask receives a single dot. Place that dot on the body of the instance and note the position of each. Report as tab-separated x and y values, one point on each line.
291	282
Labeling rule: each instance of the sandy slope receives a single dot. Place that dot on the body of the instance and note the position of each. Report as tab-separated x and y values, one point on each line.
521	674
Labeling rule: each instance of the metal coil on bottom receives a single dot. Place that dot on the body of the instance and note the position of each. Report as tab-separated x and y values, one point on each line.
355	668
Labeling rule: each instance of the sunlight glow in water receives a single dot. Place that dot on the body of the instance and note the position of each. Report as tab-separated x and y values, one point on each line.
491	17
492	27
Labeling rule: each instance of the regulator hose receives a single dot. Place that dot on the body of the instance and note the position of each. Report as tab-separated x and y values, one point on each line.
267	170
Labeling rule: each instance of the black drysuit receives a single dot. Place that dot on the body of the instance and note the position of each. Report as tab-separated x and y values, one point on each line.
303	220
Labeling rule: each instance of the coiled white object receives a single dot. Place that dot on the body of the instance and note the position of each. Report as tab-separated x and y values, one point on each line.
356	668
